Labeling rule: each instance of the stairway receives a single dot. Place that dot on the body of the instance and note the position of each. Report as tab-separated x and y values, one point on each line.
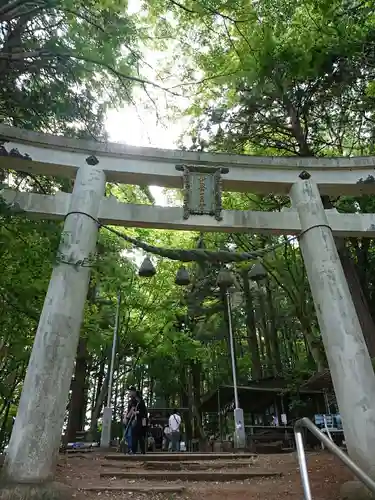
174	473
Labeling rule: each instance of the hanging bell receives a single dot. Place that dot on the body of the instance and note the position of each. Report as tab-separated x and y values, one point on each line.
257	272
15	208
182	277
147	269
225	279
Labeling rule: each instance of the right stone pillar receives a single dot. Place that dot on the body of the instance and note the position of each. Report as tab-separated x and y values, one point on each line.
348	358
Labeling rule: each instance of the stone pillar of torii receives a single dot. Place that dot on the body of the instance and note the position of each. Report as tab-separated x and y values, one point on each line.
33	448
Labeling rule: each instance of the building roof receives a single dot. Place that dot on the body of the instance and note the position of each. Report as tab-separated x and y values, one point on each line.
255	395
319	381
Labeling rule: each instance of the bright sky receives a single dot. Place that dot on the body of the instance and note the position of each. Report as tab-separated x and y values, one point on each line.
143	125
140	127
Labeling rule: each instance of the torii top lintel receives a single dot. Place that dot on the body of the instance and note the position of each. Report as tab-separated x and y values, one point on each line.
60	156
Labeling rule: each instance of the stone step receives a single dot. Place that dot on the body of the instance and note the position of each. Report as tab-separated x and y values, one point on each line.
75	451
178	457
200	466
208	476
137	488
205	465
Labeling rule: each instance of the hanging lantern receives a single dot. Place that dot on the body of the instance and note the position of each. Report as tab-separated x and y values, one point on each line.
147	269
182	277
257	272
16	208
225	279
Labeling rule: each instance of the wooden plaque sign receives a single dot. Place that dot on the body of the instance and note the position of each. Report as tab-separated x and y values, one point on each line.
202	190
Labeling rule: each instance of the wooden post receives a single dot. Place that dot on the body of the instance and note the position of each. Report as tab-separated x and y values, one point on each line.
349	361
34	444
219	416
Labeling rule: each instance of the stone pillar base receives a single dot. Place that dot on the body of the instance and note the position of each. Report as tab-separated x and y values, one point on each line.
239	432
42	491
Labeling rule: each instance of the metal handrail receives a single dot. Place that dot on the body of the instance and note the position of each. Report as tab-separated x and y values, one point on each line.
332	447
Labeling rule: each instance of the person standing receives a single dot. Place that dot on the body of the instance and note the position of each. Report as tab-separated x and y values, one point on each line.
139	425
174	425
275	421
167	437
128	423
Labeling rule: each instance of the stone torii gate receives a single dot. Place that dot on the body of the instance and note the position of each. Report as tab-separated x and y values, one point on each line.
35	439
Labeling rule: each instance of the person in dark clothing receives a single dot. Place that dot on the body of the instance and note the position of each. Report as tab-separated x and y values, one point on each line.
128	428
139	424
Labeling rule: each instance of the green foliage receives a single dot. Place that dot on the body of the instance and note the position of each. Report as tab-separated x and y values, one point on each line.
277	77
61	64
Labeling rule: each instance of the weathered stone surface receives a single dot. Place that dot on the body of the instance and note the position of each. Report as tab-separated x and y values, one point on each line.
43	491
147	488
193	466
178	457
348	358
60	156
33	448
355	490
114	212
209	476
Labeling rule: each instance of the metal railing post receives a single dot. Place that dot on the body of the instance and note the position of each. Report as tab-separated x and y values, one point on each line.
302	462
332	447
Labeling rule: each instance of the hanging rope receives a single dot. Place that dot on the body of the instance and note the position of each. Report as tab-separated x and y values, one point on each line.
192	255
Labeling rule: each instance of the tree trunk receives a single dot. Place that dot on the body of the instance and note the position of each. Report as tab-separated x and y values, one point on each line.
4	426
262	351
99	383
288	353
123	405
358	296
76	419
271	369
98	406
224	299
185	403
150	396
273	331
252	341
116	398
196	400
94	382
315	343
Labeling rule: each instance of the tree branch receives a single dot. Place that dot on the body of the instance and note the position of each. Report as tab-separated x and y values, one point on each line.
13	4
43	53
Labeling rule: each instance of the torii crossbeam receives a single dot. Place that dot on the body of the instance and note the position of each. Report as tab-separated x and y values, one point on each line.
61	157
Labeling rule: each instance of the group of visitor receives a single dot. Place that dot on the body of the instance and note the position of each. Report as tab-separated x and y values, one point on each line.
136	422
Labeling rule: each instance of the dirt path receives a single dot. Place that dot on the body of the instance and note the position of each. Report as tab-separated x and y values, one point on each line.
326	476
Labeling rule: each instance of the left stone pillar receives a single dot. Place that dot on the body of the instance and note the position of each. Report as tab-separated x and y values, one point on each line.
33	449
